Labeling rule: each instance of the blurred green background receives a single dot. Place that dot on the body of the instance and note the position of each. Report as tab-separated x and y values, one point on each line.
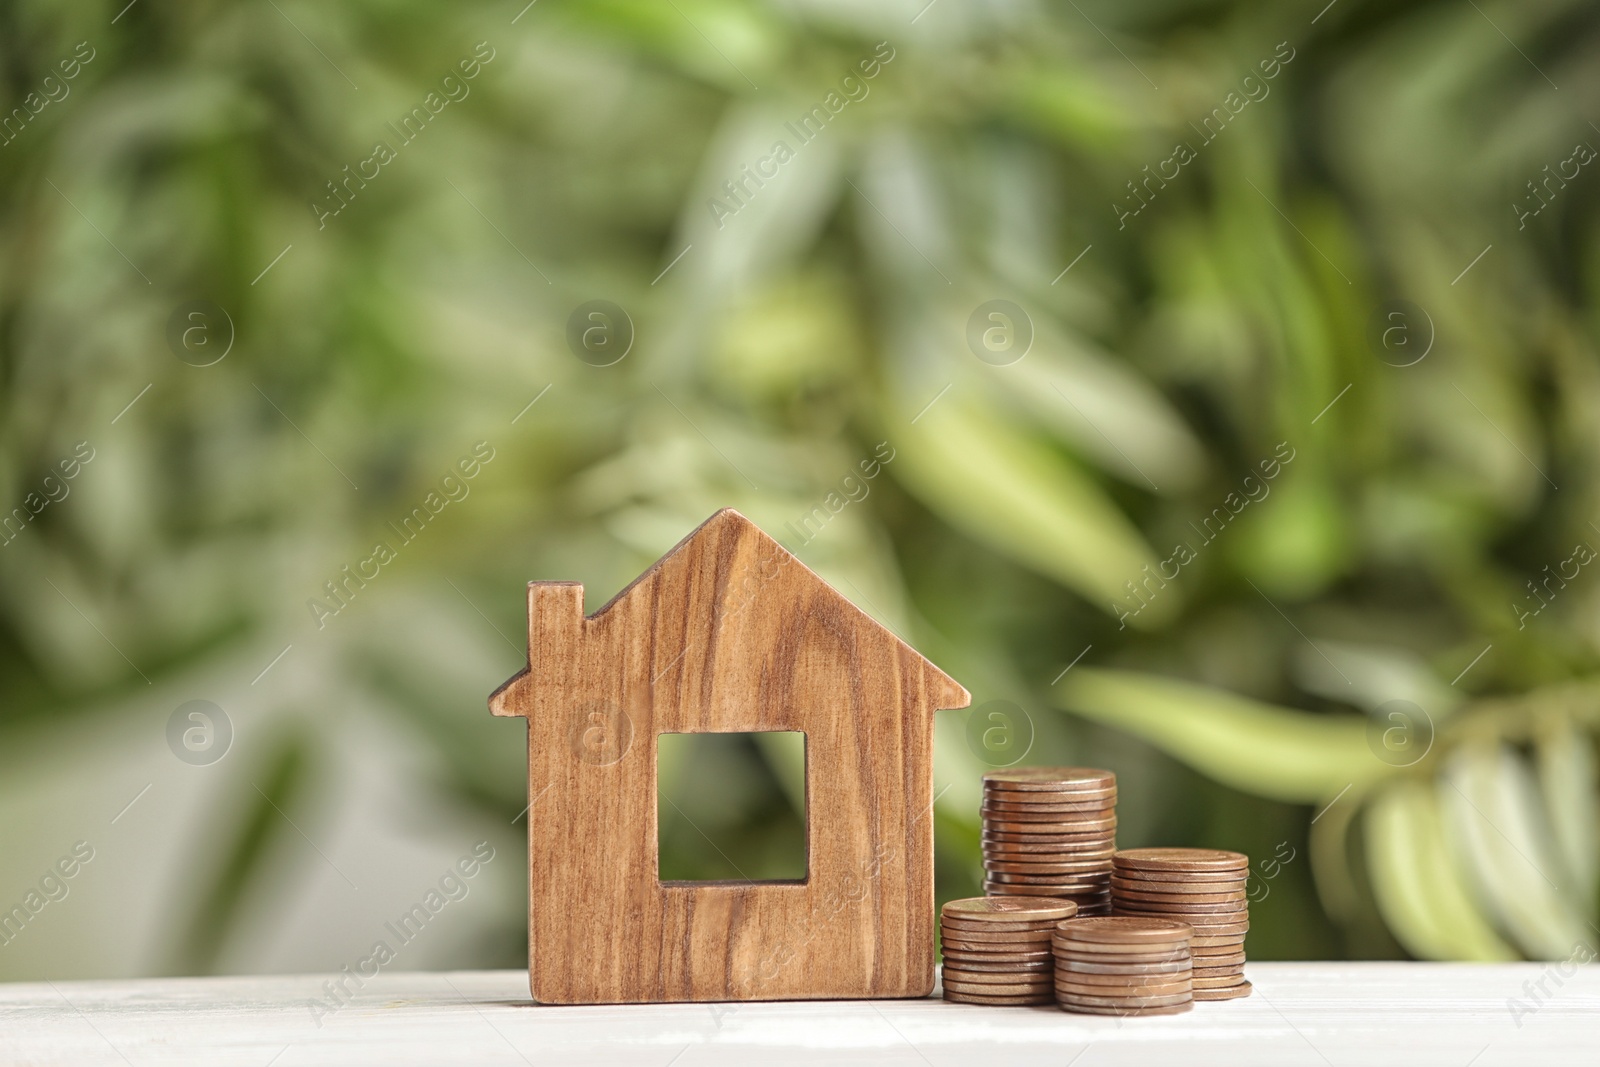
1306	290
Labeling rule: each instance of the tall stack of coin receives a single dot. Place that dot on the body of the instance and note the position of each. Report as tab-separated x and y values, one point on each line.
1116	965
997	949
1202	887
1050	831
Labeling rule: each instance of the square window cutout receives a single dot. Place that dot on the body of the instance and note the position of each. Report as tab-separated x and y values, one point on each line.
731	807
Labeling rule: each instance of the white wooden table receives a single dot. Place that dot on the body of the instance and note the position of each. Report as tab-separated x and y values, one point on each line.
1326	1015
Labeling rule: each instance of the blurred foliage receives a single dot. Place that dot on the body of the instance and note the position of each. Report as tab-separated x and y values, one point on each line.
1236	318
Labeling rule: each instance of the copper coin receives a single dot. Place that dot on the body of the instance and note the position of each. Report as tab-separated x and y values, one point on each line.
1181	877
992	950
1061	803
1045	835
1121	949
967	965
1065	820
1053	792
1069	818
1101	983
1204	968
996	948
1230	993
1029	967
1109	963
1081	1009
961	977
1195	923
1231	959
1081	891
1023	826
1151	885
1047	797
1203	926
998	989
1068	832
1034	979
1183	859
951	923
1084	898
1119	930
1182	899
1026	778
1204	907
1088	907
1180	988
1100	850
996	953
1089	865
1228	943
1054	850
990	962
1127	952
997	1002
1081	894
1220	981
1066	814
1148	907
1224	925
1170	993
1019	926
1179	898
1069	867
1001	937
982	909
1087	878
1104	798
1050	859
1089	1001
1070	965
1069	863
1233	971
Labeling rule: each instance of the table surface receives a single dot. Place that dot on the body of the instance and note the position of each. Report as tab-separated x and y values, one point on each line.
1322	1014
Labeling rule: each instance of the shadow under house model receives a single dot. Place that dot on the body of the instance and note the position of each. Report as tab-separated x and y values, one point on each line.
728	632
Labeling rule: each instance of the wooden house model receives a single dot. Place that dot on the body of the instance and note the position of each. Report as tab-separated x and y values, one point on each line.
728	632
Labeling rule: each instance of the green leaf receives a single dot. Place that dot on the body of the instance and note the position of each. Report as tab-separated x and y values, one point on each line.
1494	829
1010	490
1270	751
785	753
1418	889
1107	413
1569	786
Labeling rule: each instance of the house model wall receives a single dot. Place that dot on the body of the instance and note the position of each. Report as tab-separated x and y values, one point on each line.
727	632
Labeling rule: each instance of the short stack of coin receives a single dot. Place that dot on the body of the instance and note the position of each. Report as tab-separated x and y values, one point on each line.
1050	831
1202	887
1116	965
997	949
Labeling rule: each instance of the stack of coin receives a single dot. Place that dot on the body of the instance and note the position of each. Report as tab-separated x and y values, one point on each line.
1202	887
997	949
1122	965
1050	831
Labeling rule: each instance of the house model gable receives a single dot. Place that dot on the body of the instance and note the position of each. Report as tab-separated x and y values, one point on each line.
728	632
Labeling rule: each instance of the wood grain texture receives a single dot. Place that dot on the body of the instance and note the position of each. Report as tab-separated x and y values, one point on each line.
727	632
